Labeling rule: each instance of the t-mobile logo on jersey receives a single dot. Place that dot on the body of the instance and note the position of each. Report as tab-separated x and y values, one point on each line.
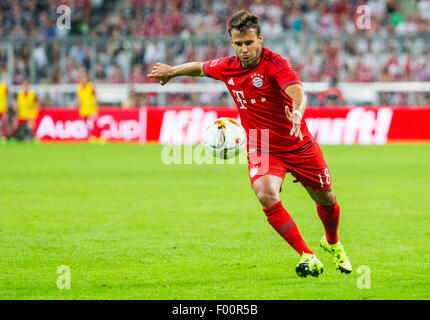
240	98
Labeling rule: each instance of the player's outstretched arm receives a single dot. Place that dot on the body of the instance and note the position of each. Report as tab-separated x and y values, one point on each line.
165	72
299	98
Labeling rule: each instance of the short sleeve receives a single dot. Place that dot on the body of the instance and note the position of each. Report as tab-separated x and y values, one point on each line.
214	68
284	74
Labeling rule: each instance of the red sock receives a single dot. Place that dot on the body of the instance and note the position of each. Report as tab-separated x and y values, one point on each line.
282	222
329	216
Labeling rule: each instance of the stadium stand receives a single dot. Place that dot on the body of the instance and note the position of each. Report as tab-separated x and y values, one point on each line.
117	42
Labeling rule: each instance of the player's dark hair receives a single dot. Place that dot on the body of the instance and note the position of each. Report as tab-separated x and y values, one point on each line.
243	21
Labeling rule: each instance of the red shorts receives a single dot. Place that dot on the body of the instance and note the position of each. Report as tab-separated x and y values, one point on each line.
306	164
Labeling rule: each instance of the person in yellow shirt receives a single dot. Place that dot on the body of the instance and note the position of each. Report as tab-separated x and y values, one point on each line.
3	112
88	107
26	108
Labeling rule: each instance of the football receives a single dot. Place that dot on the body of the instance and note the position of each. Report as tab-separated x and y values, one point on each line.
225	138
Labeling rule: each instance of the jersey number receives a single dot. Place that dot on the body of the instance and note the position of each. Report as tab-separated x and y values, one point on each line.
327	178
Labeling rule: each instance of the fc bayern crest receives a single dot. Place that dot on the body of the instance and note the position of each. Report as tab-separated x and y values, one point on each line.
257	80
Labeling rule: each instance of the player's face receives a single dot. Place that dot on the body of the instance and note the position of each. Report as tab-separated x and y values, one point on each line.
84	78
247	46
25	85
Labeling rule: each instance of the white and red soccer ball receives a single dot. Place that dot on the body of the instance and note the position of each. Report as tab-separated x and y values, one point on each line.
225	138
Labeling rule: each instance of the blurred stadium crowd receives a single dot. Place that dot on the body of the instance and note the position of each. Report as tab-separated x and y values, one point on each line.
118	41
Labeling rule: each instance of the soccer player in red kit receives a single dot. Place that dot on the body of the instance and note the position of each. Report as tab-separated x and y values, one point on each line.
271	103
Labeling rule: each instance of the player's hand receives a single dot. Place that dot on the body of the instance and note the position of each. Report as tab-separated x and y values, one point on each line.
160	71
295	121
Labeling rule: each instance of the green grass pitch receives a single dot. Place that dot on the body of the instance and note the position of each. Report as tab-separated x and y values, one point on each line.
131	227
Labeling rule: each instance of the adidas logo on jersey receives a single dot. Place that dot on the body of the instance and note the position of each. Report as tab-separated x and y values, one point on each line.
230	82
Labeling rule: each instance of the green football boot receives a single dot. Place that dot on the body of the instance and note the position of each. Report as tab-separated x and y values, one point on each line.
309	265
338	254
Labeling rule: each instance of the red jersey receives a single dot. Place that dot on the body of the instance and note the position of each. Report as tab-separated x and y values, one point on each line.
260	98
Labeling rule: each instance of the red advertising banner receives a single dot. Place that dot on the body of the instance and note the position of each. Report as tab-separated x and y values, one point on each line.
115	124
184	125
368	125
